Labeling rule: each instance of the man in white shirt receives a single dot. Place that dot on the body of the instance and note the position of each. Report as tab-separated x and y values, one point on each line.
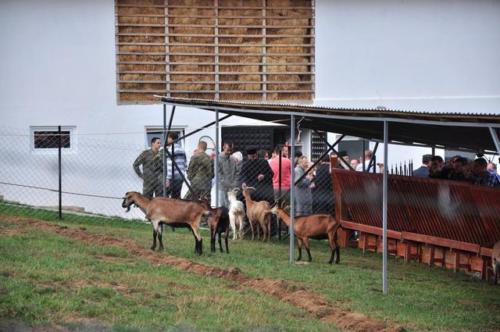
368	158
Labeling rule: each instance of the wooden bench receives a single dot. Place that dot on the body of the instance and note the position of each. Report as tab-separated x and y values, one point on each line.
436	222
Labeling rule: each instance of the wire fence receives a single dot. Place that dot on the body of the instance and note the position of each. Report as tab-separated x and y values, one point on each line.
94	171
53	169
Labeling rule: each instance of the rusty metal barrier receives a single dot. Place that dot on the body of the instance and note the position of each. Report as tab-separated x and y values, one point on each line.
451	216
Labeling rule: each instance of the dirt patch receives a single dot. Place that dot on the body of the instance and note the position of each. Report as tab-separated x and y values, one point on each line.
13	326
8	230
286	291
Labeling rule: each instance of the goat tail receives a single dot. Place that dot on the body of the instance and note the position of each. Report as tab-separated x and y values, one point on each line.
336	231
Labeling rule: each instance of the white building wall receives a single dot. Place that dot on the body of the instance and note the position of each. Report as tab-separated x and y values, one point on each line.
428	56
58	67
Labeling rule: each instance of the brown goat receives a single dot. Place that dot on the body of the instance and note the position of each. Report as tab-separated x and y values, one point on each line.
218	222
315	226
172	212
258	214
495	262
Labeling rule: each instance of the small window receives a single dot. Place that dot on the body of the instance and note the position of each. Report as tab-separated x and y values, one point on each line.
158	132
47	138
50	139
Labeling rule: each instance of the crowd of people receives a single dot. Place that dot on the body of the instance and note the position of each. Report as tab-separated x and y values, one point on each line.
261	170
478	171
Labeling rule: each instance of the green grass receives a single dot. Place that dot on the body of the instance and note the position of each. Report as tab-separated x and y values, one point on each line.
49	279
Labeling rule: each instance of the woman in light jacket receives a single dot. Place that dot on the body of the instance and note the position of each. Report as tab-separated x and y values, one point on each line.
303	195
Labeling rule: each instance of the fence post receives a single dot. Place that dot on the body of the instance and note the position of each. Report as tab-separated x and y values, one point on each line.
60	170
292	188
164	157
279	191
385	193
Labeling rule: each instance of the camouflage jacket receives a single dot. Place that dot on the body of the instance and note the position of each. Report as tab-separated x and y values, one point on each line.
152	166
201	172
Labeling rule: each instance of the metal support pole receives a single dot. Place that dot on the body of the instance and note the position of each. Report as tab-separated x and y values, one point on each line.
170	155
164	157
280	156
216	163
292	188
59	161
384	209
373	161
494	135
173	149
363	155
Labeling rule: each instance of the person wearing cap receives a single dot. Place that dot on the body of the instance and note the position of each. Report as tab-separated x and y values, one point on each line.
423	171
258	174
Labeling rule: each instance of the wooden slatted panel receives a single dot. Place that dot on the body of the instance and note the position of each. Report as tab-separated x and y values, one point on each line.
436	208
215	49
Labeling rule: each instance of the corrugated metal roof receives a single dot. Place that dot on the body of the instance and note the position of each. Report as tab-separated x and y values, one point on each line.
453	130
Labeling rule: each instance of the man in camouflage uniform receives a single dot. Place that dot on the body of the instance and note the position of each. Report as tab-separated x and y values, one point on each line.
152	169
200	173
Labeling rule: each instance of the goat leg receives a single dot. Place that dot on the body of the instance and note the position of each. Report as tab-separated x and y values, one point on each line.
160	236
212	243
332	255
306	244
299	246
269	230
337	260
226	236
200	246
220	241
251	228
153	247
309	254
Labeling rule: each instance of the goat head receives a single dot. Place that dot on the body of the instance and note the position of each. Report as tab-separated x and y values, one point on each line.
127	201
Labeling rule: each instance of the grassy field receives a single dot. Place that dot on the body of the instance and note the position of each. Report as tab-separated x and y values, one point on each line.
58	278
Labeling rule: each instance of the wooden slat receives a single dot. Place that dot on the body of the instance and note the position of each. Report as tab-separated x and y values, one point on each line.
214	63
139	15
370	229
212	91
139	5
209	45
173	72
239	17
441	242
222	26
213	82
212	35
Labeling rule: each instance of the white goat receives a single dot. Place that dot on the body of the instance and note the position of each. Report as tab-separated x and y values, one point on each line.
236	214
